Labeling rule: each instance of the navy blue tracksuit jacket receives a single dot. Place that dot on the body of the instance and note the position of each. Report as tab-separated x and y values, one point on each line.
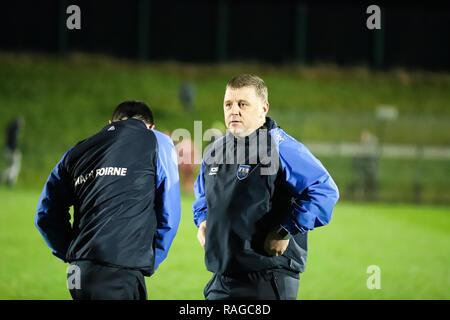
124	187
244	193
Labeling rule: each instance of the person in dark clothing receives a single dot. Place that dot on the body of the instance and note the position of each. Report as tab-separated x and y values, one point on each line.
258	194
12	151
187	97
123	185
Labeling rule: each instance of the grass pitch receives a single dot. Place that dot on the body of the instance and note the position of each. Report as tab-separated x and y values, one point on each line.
410	244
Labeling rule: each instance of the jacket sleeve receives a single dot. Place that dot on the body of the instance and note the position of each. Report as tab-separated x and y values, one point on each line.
167	198
52	214
314	193
199	207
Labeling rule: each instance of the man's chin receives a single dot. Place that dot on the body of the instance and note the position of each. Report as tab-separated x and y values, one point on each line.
239	132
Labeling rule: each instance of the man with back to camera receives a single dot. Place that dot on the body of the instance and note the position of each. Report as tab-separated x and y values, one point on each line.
123	184
258	194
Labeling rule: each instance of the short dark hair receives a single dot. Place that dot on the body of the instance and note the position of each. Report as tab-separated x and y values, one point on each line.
133	109
250	80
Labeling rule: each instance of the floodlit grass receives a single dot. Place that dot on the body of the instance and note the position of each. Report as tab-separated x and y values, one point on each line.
66	100
409	243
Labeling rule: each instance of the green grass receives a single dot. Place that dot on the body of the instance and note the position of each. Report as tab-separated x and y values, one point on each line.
398	179
409	243
66	100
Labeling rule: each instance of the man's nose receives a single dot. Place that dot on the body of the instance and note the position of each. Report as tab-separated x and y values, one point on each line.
235	108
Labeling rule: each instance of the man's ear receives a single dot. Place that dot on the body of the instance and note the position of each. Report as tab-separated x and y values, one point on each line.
266	107
151	127
110	121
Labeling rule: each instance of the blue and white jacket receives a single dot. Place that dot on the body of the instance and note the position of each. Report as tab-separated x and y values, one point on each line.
250	186
124	187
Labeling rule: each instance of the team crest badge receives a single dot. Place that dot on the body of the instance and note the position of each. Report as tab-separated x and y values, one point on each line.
243	171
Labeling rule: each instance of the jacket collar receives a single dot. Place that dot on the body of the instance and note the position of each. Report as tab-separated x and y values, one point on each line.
129	122
269	124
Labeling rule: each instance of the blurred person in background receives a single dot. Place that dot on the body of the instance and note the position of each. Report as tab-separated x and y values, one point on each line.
12	152
186	153
123	184
365	166
254	224
187	97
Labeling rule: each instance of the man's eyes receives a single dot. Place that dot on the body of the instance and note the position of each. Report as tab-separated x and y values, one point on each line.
240	104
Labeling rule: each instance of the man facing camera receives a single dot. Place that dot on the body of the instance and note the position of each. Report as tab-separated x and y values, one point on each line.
258	194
